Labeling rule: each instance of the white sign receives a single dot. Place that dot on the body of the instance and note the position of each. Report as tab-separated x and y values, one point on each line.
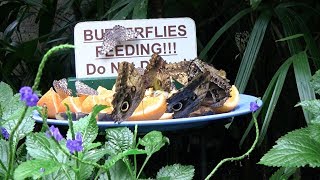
173	38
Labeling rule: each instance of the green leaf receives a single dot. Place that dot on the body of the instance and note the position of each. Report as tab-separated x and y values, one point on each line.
283	173
116	6
153	141
31	168
125	11
4	152
312	106
315	82
6	95
115	158
119	139
39	146
176	172
302	74
87	126
140	10
14	110
252	49
296	149
270	98
118	171
290	37
255	3
223	29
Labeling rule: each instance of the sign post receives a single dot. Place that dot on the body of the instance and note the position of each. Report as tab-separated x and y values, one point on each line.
173	38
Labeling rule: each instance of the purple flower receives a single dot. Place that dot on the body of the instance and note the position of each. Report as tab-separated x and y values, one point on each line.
25	91
254	106
28	96
5	133
55	133
75	145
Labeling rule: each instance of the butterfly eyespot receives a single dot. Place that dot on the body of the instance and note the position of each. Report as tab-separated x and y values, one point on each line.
133	89
177	107
125	106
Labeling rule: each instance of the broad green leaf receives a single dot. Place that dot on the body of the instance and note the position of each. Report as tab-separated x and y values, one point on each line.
223	29
118	171
252	49
176	172
90	156
140	10
302	74
153	142
6	95
14	110
116	6
119	139
255	3
312	106
290	37
115	158
283	173
315	82
87	126
11	117
36	168
296	149
4	151
39	146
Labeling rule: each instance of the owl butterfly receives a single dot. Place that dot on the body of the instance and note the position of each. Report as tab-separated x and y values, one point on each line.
129	92
241	39
61	87
219	87
115	36
189	98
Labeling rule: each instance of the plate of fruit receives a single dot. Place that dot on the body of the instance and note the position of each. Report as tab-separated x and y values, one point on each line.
150	98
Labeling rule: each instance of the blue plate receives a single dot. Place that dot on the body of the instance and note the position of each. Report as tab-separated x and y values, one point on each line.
171	124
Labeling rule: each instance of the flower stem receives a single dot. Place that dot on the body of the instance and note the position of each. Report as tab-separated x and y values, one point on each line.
239	157
144	164
12	148
45	59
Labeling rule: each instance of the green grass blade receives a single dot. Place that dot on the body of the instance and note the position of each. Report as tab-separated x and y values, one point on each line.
223	29
125	11
303	76
312	47
117	5
140	10
266	99
273	102
252	49
290	37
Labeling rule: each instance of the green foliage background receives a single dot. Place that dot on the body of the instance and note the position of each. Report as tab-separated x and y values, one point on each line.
276	64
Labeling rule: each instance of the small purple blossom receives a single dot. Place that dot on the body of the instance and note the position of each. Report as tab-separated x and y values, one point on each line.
75	145
254	106
5	133
55	133
25	91
28	96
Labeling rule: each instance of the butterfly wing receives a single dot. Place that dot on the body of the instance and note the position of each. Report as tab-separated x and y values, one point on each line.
129	92
84	90
189	98
61	87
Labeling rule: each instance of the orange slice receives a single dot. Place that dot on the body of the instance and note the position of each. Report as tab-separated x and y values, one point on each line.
151	108
92	100
74	104
51	99
231	102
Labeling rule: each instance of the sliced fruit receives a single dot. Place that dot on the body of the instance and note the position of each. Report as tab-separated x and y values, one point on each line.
74	104
231	102
92	100
150	108
103	91
51	100
166	116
